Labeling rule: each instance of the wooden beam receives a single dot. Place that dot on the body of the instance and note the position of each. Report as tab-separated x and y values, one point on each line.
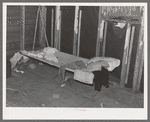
59	32
40	29
104	42
99	32
22	28
129	56
78	49
52	26
140	70
57	27
101	37
42	26
36	24
75	30
138	57
125	56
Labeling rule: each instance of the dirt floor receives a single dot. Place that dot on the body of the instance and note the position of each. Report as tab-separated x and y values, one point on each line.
37	88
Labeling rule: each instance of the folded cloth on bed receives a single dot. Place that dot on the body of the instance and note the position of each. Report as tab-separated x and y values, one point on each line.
50	57
108	62
49	54
48	50
84	76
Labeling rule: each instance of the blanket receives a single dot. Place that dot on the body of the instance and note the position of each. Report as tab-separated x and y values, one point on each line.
108	62
84	76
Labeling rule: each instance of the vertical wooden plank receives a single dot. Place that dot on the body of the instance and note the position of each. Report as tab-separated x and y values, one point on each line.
97	48
75	30
52	25
138	57
130	51
44	11
22	28
36	24
101	38
104	42
99	32
42	26
140	70
125	56
55	36
78	49
59	32
57	24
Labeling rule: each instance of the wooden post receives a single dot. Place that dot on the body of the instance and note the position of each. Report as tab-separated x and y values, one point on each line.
129	56
42	26
40	29
125	56
78	50
104	42
75	30
36	24
140	70
52	25
22	28
59	33
138	58
57	27
99	32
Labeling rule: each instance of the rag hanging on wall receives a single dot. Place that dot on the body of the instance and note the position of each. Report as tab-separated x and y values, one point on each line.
119	29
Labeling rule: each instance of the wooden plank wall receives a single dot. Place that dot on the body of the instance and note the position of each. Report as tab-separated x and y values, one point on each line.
13	28
30	22
43	41
67	29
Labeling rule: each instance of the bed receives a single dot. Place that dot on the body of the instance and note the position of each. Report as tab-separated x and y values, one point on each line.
63	59
81	67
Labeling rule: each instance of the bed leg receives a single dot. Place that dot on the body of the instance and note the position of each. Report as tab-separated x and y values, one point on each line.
63	74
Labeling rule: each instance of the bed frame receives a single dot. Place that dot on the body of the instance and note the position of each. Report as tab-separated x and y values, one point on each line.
64	59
